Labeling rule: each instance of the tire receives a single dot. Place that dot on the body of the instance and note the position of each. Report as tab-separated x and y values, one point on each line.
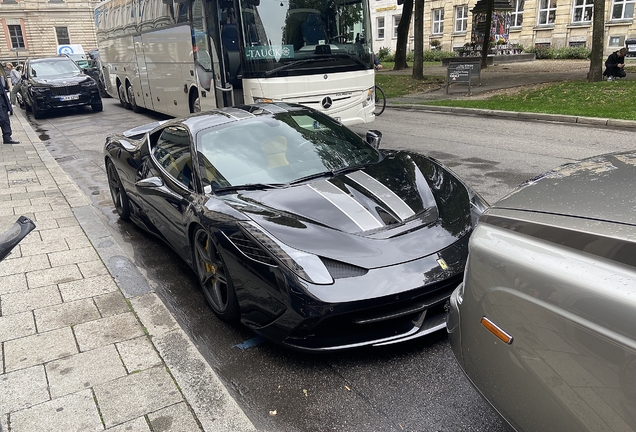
213	277
380	101
195	104
117	192
99	107
121	91
37	113
133	102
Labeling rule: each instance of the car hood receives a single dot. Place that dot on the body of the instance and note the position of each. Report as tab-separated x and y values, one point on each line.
66	81
600	188
405	207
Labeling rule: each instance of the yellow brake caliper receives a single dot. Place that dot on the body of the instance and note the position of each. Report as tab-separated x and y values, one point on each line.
209	268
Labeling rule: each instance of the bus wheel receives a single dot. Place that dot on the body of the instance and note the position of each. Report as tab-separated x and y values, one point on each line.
195	103
122	96
133	103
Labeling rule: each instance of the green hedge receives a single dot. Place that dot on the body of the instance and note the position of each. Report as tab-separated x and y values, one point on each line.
566	53
385	54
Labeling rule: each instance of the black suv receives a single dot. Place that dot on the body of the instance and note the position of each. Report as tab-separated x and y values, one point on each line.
57	82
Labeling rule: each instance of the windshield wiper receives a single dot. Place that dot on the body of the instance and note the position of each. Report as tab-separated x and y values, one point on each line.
250	186
288	65
329	174
355	59
352	168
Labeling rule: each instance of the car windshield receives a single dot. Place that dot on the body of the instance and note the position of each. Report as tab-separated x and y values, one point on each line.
54	69
284	38
279	150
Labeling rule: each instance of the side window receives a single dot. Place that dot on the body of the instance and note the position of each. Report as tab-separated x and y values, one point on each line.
172	152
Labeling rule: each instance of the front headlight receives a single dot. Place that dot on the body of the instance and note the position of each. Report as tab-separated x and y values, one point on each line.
89	83
370	97
305	265
39	90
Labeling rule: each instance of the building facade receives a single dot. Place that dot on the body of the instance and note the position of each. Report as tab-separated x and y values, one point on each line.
449	25
34	28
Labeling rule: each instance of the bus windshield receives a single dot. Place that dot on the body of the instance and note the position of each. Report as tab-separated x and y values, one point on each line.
300	37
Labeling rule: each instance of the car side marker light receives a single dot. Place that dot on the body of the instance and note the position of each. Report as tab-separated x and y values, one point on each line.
494	329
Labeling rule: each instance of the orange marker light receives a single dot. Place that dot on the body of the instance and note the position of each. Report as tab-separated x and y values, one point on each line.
494	329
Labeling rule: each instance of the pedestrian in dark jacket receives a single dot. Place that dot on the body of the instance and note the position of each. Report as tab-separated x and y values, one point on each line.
614	65
5	110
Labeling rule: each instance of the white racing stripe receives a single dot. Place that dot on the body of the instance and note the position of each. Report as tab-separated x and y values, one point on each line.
350	207
386	195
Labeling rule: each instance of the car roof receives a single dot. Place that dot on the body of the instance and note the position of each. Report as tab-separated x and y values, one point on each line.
600	188
49	59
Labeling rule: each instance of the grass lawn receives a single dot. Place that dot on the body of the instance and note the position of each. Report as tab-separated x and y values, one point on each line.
400	85
580	98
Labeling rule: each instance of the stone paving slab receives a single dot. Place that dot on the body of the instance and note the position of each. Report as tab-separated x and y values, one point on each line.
73	413
129	397
76	373
23	388
116	328
66	314
39	348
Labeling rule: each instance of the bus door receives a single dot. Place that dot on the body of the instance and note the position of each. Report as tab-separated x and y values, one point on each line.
140	81
207	67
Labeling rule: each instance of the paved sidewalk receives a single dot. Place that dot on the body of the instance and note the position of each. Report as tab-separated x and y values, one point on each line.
82	350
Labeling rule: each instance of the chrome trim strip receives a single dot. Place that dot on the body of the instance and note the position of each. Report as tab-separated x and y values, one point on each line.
346	204
383	193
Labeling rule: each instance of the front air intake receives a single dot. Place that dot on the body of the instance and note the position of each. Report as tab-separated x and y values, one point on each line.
250	248
340	270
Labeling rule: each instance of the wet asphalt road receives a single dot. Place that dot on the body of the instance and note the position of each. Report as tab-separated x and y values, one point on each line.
415	386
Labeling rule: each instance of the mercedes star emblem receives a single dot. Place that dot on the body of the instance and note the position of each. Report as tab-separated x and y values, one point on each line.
326	102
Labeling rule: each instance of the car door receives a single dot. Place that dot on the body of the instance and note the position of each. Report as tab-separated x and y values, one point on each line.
167	185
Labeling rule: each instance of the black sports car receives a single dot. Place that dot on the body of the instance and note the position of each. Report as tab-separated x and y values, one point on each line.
294	224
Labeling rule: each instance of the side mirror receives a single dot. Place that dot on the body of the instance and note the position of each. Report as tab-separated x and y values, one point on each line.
152	182
373	138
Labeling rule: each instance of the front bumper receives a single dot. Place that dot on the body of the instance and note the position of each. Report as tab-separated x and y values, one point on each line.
48	101
453	322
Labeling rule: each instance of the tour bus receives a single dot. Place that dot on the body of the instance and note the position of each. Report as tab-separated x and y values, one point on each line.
183	56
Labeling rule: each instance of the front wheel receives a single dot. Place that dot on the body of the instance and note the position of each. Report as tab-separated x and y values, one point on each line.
214	277
117	192
98	107
380	101
37	113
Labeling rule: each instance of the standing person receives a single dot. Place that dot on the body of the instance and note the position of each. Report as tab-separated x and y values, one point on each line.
16	81
5	110
614	65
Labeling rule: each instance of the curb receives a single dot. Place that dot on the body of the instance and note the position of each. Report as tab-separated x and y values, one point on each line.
207	396
589	121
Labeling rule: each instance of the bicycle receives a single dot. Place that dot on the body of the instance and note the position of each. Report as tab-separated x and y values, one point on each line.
380	101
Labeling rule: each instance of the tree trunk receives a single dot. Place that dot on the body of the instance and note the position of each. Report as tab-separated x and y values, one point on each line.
418	29
598	36
486	45
403	35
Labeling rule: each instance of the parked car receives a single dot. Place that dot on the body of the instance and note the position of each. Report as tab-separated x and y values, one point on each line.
544	323
56	82
296	226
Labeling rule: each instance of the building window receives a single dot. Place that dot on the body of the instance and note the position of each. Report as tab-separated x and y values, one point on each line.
461	19
438	21
62	36
516	15
17	40
623	9
616	41
582	11
396	23
380	26
547	11
577	44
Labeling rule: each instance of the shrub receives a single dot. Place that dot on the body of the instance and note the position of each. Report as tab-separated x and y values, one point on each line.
410	56
384	54
437	56
563	53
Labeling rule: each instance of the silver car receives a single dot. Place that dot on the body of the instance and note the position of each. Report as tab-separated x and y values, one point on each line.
544	323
